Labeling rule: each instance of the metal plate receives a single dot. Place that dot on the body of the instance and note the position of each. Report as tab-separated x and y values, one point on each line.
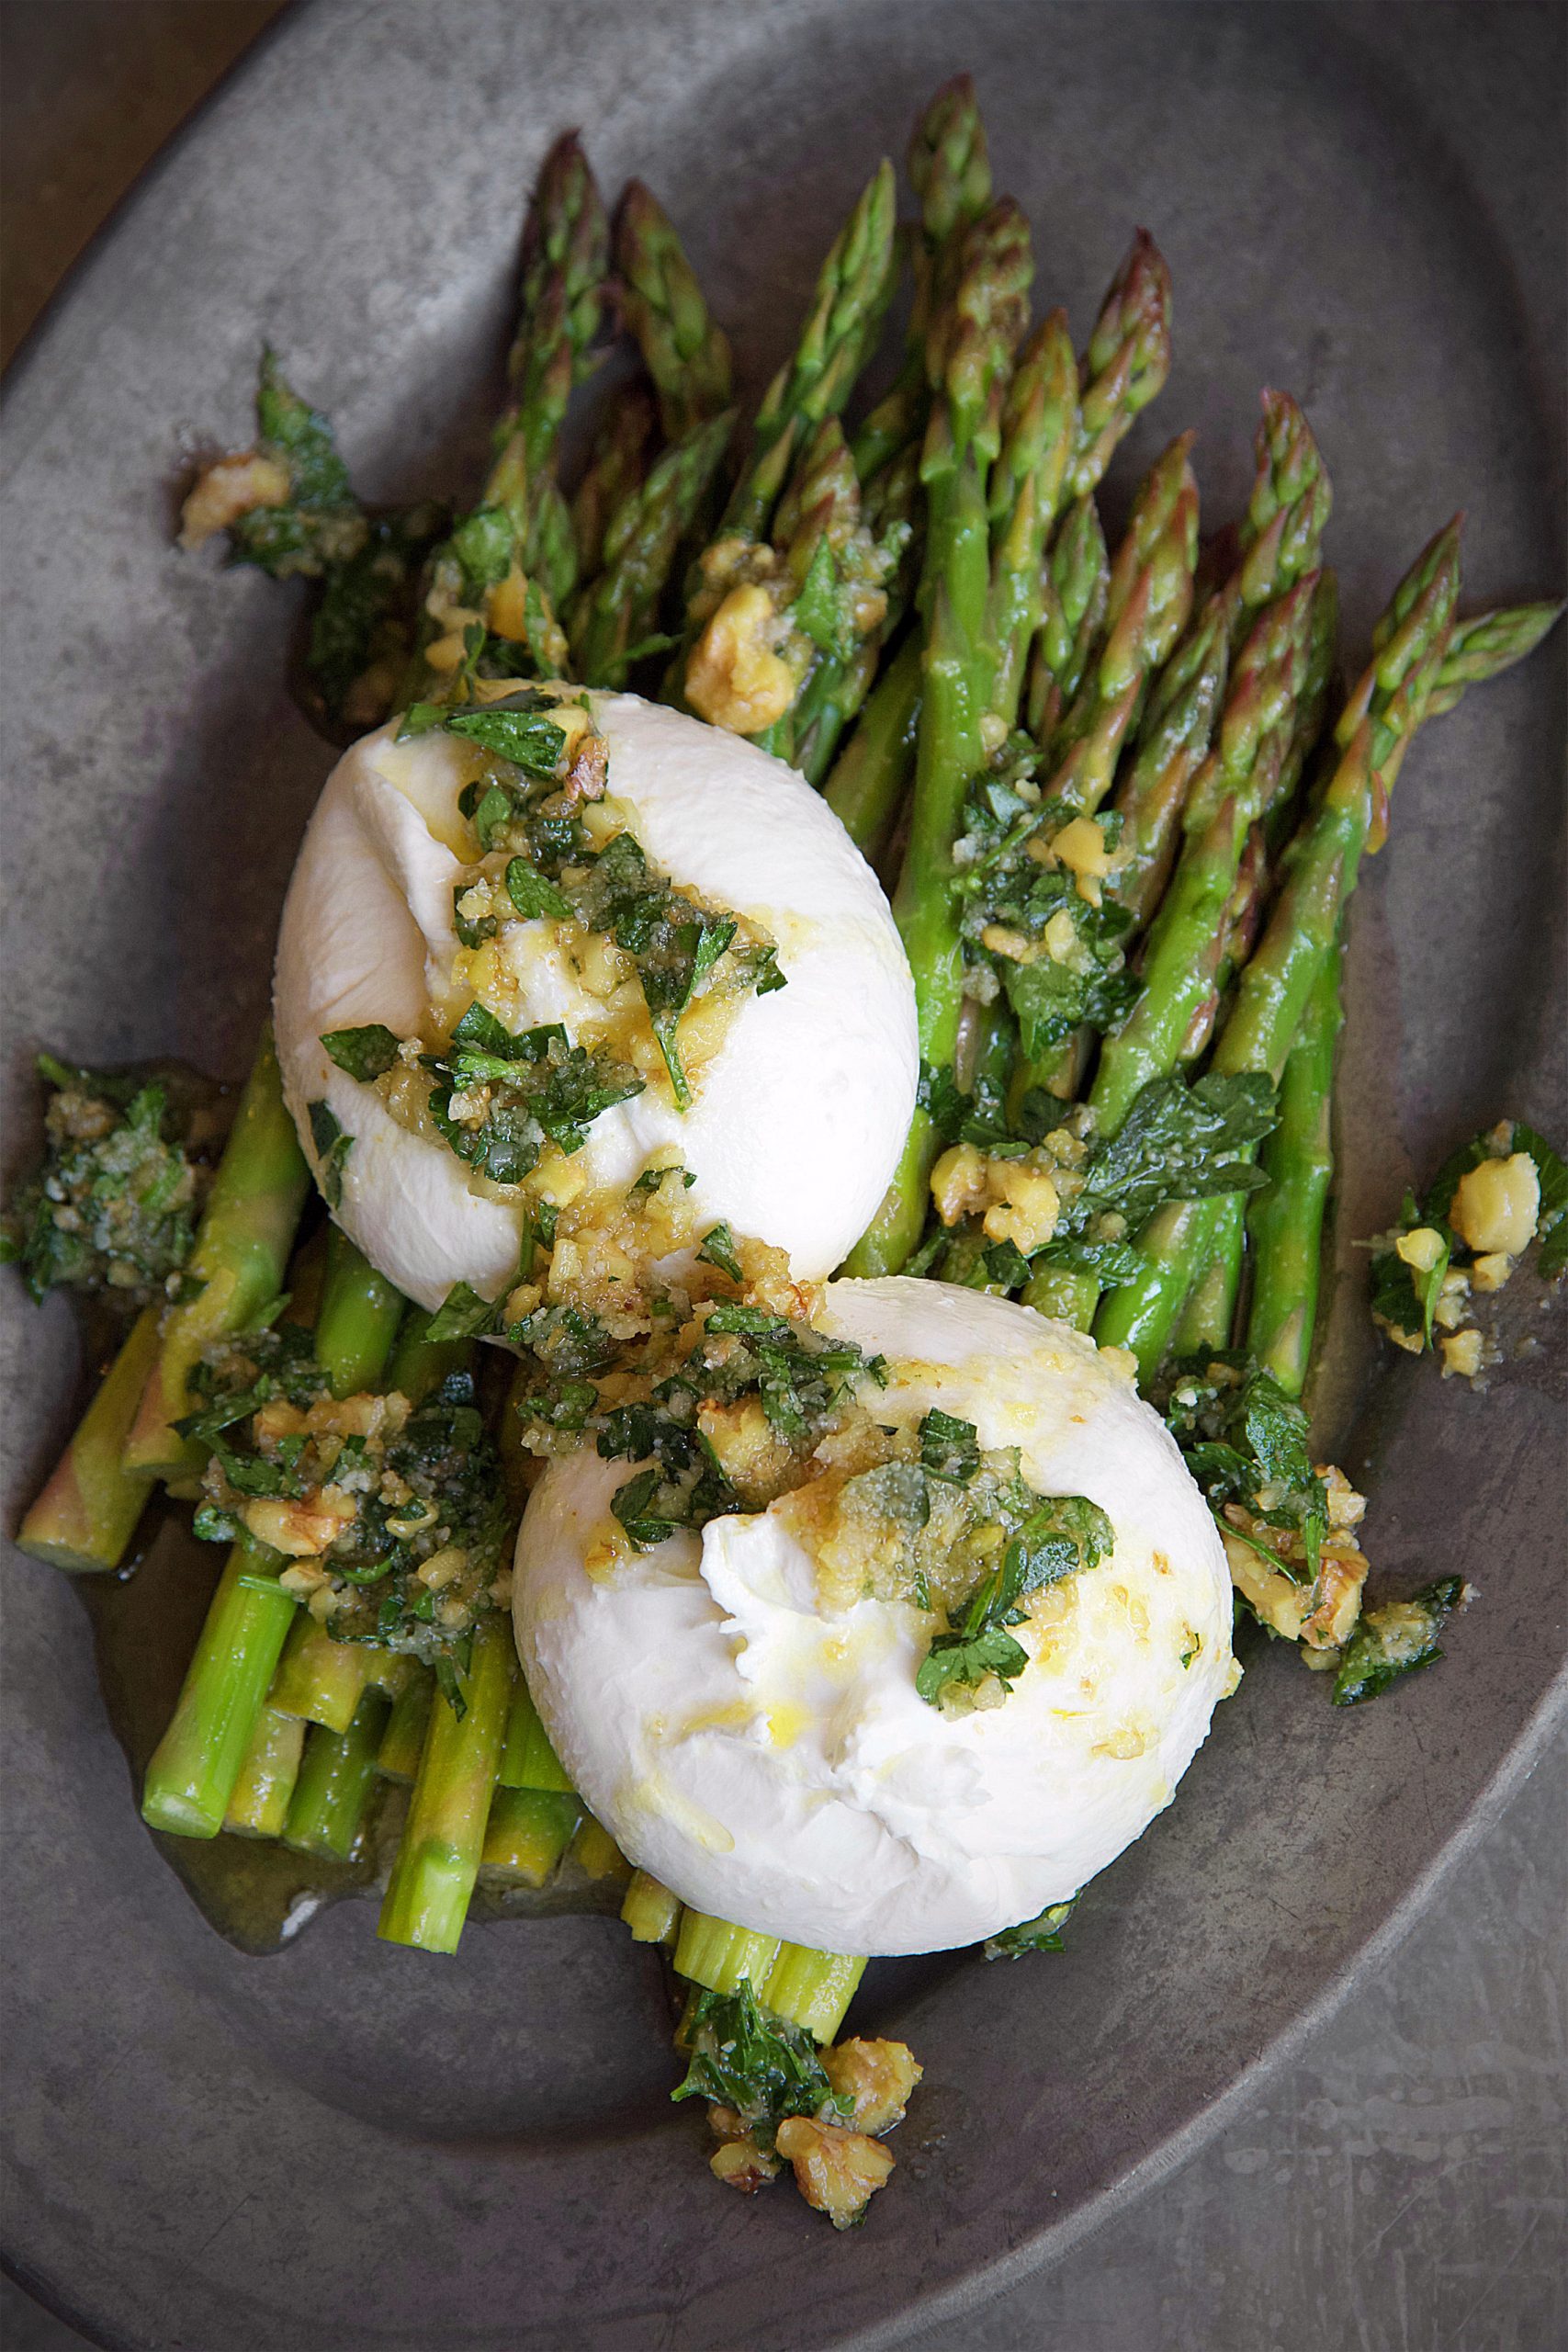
353	2145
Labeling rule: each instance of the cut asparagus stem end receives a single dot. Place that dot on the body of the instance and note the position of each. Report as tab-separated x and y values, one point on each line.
336	1778
597	1853
259	1805
86	1515
437	1859
811	1988
195	1766
713	1953
527	1833
650	1911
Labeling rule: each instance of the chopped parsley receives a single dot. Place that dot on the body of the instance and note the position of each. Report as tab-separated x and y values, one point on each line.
1245	1441
113	1207
1025	922
763	2070
1393	1640
1042	1933
333	1143
500	1095
1058	1535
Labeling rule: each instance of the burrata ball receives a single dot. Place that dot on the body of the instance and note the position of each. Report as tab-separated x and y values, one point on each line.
768	1756
795	1121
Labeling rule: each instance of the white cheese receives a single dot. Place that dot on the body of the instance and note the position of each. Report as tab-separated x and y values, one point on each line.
799	1116
774	1764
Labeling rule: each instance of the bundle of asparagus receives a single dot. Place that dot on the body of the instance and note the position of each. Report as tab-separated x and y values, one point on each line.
1121	848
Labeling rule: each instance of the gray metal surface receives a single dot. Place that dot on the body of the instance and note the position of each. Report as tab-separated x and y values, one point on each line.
162	2141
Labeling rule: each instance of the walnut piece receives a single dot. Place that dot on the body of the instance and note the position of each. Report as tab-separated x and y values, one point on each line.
837	2171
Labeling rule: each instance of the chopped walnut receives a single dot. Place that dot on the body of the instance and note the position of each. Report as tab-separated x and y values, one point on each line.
741	2163
837	2171
233	487
878	2076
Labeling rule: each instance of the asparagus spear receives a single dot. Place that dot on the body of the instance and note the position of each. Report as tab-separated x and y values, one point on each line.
686	354
335	1783
1039	429
527	1832
1147	599
851	292
193	1770
402	1742
650	1911
438	1856
258	1807
617	610
240	1251
511	560
1276	542
1285	1220
357	1320
971	350
1231	794
950	170
1126	363
1073	590
617	465
1486	645
86	1514
868	779
1374	732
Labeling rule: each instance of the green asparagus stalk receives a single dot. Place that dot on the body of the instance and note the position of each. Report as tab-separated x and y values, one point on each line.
618	609
852	293
86	1515
811	1988
240	1251
527	1834
1073	590
869	776
336	1779
439	1855
1373	733
402	1742
970	353
527	1759
1147	601
1285	1220
1229	796
259	1804
357	1320
1039	431
719	1957
684	352
1126	363
1277	543
511	560
650	1911
950	170
1486	645
191	1777
595	1852
418	1364
617	465
566	254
